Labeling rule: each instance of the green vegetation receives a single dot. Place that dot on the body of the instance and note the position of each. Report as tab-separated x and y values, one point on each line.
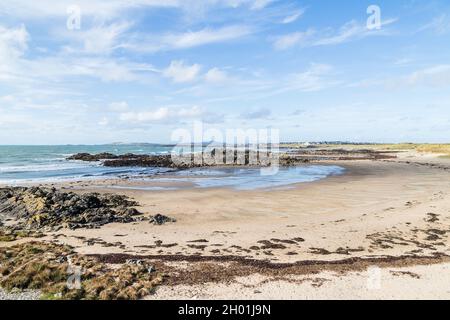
48	268
9	234
443	149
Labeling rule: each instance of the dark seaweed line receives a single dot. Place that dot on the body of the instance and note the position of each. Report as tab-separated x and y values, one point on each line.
118	258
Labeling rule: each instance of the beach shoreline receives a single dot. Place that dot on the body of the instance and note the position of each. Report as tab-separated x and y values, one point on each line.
312	240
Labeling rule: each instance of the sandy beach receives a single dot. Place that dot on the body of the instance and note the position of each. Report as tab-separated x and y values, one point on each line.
224	149
379	231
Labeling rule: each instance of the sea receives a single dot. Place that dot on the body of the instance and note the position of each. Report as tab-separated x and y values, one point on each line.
43	164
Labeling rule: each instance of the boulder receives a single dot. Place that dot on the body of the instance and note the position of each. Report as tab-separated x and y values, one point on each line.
160	219
39	207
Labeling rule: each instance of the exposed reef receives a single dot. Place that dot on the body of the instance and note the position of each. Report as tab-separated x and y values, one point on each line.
222	157
46	209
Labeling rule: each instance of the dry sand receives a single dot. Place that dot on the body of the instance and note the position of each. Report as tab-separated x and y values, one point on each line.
418	282
312	241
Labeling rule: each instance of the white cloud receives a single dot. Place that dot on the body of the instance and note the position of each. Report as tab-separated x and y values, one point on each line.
114	8
440	25
260	4
162	114
179	72
403	61
103	121
350	31
13	44
294	17
8	99
119	106
198	38
207	36
16	69
101	39
316	78
312	79
216	75
105	69
157	115
289	40
436	76
51	8
190	39
261	113
193	112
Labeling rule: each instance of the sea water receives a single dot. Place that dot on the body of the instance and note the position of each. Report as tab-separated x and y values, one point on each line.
25	164
48	163
252	178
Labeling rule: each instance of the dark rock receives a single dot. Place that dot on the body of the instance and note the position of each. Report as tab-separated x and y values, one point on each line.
266	244
223	156
92	157
38	208
159	219
233	157
143	161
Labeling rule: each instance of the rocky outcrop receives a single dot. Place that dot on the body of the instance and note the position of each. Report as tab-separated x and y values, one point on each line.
222	157
126	160
161	161
39	208
215	157
92	157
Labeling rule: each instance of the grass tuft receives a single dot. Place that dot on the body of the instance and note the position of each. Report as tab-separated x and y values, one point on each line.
45	267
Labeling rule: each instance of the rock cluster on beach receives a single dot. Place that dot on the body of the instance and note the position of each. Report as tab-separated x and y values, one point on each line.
93	157
214	157
160	219
126	160
39	208
221	157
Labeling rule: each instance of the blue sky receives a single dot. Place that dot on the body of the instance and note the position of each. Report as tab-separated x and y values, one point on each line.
136	70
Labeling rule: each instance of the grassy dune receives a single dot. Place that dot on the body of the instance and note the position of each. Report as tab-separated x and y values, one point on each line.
443	149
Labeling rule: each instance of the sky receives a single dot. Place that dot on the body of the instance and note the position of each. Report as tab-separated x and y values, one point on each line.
95	71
